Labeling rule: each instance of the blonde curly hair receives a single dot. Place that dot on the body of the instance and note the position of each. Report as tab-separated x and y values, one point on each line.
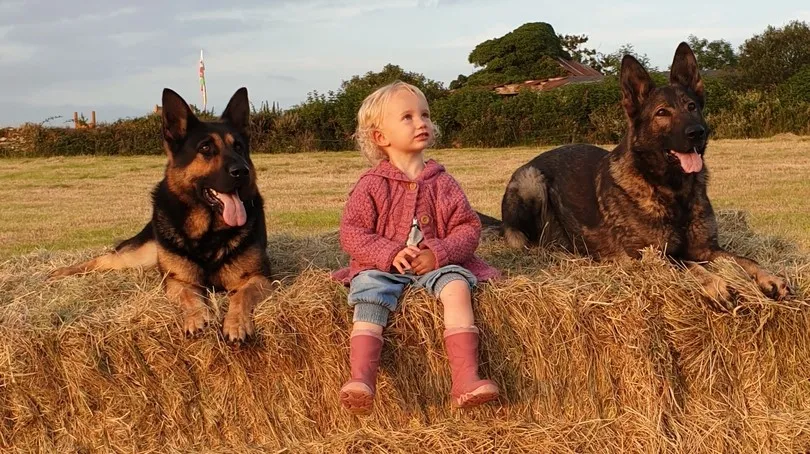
370	117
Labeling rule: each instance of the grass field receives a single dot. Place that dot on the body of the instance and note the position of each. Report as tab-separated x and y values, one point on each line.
84	202
590	357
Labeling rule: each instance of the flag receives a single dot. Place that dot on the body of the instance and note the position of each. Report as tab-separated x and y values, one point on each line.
203	91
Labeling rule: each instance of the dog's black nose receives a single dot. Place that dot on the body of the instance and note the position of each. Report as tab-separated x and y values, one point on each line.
239	171
695	132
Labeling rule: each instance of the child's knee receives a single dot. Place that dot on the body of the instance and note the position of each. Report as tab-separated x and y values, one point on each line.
451	283
455	287
373	295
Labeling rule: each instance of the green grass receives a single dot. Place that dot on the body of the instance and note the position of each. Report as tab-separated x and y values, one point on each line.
313	221
91	202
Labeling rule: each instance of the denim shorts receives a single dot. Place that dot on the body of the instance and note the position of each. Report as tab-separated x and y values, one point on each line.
374	294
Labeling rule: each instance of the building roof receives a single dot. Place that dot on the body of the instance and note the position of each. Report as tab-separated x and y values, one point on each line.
576	68
577	73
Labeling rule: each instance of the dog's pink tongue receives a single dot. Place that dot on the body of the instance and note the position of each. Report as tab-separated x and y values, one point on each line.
234	211
690	162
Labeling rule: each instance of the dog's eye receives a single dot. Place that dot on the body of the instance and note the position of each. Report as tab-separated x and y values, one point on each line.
205	148
691	106
661	113
237	147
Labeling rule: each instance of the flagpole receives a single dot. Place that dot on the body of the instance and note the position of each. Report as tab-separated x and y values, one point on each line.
203	90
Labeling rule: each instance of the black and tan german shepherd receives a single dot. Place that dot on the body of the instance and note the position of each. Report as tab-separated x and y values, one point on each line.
207	228
649	191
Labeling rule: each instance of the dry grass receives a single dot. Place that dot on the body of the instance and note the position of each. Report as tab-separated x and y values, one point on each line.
590	357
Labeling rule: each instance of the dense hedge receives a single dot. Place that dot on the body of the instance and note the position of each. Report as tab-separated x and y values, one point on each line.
467	117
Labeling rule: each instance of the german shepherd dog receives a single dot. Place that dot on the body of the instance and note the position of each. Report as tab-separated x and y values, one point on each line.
207	227
649	191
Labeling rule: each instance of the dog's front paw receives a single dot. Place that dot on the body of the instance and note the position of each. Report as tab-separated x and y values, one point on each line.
195	319
773	286
719	292
237	326
59	273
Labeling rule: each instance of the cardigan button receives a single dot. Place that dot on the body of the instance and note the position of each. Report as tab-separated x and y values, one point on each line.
412	186
424	219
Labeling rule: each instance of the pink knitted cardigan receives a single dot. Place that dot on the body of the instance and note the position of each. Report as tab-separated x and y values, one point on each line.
381	208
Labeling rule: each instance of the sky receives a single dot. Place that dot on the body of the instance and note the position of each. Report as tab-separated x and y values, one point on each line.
115	57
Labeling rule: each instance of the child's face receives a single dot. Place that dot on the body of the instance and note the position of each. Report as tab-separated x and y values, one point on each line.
406	125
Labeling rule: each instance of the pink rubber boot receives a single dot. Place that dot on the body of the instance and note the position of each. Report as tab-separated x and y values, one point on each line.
468	390
357	394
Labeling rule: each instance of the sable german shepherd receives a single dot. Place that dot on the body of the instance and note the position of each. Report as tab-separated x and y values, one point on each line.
649	191
207	227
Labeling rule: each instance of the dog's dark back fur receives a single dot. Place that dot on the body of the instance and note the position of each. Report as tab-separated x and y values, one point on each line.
615	203
649	191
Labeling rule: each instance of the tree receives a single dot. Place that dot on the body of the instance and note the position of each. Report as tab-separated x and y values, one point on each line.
528	52
459	82
374	80
573	45
347	100
612	62
710	55
797	87
775	55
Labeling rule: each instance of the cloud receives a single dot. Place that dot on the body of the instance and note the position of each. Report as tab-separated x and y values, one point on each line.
12	54
127	39
57	53
121	54
452	3
8	7
48	12
282	78
471	40
94	17
300	11
673	34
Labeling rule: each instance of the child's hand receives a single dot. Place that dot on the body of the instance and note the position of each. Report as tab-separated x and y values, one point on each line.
402	261
424	262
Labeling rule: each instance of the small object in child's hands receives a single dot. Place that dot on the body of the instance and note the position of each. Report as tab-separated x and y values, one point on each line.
414	238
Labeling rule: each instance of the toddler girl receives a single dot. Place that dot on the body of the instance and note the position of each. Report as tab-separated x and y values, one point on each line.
407	222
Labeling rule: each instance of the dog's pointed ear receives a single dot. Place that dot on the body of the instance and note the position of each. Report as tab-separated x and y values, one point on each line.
237	113
636	85
177	116
685	72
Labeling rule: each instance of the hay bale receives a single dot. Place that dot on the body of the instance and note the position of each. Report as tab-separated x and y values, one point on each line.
590	357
